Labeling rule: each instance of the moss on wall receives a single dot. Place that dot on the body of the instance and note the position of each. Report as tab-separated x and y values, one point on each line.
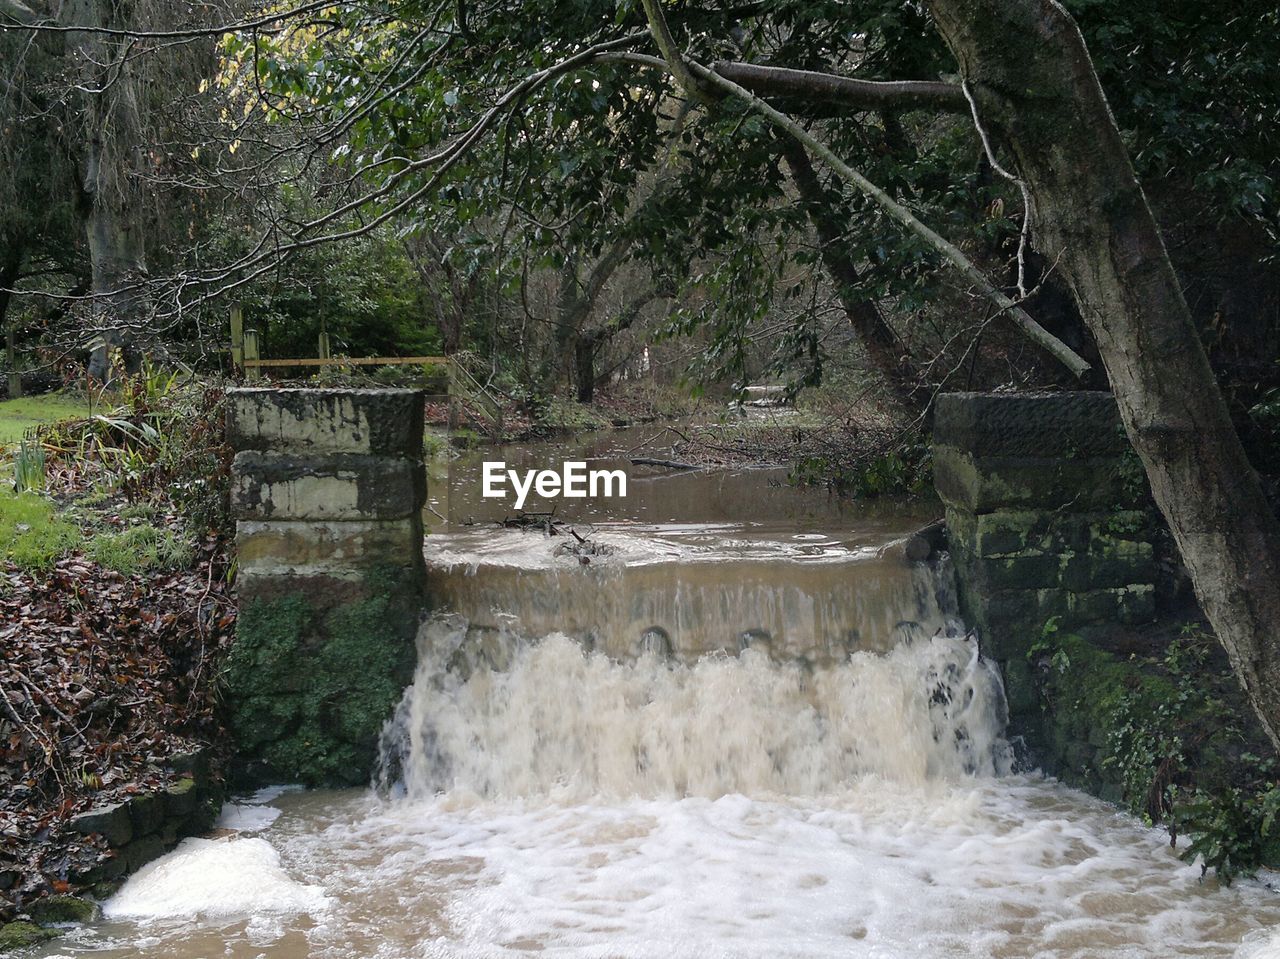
1162	730
309	688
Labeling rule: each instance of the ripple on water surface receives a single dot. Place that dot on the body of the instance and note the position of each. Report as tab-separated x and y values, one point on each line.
1003	868
900	854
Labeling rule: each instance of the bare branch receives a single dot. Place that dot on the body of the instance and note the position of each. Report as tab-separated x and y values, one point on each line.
1024	236
862	95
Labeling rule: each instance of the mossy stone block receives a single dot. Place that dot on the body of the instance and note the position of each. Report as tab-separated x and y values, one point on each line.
1020	688
146	813
987	484
345	669
376	422
1021	571
112	822
23	935
1078	424
64	909
142	851
181	799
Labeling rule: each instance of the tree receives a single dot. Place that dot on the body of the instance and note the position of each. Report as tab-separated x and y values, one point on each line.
39	222
102	92
1032	76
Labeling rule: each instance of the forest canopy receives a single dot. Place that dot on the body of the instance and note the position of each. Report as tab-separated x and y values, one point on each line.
518	187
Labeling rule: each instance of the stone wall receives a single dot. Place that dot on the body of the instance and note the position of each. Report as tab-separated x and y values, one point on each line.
135	830
147	825
327	490
1044	515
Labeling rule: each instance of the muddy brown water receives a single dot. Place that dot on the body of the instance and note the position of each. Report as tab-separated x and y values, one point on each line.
811	765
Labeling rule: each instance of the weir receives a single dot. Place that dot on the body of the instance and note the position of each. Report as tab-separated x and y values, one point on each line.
329	486
819	610
755	731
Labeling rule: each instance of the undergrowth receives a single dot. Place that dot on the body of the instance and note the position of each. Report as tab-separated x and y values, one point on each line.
1173	736
140	548
901	470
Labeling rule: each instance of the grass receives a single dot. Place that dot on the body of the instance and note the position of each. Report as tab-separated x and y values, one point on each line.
18	416
139	548
434	443
31	536
566	415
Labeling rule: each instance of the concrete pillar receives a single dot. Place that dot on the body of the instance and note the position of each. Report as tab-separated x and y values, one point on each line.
327	491
1045	517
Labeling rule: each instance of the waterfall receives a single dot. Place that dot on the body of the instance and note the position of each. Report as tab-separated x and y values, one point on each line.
820	610
496	714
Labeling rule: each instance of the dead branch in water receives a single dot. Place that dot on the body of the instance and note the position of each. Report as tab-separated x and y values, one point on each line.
665	464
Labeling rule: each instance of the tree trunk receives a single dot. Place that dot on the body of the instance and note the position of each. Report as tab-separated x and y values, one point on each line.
575	301
450	326
882	344
1026	64
112	138
118	262
584	361
9	270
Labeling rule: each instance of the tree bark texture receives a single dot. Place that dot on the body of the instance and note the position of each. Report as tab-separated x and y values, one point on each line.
1027	66
110	154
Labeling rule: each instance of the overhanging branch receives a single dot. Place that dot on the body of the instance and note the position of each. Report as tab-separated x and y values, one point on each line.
707	78
846	91
1037	333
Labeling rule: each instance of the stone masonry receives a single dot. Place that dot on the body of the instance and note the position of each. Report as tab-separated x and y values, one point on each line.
1043	509
328	487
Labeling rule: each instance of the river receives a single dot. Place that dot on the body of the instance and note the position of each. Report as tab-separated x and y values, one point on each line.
734	722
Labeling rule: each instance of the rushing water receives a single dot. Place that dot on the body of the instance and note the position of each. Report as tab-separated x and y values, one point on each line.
777	777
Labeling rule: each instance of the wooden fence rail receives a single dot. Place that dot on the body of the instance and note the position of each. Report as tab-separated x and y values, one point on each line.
350	361
463	387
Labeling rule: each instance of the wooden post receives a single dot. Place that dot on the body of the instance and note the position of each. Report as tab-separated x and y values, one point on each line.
451	367
237	338
324	345
11	343
251	370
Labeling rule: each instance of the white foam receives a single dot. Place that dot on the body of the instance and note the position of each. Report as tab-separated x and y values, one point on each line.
1012	867
219	878
243	817
580	808
271	793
